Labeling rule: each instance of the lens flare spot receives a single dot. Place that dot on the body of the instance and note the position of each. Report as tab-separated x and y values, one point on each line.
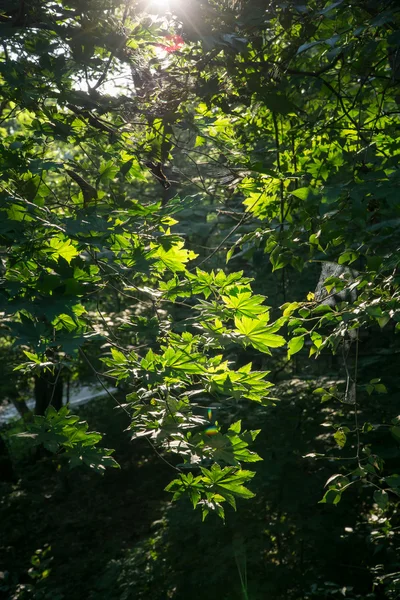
209	414
173	43
212	430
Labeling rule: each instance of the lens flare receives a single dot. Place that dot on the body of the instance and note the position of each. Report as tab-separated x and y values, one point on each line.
173	43
212	430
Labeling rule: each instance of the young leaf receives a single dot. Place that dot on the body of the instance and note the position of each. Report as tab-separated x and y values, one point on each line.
295	345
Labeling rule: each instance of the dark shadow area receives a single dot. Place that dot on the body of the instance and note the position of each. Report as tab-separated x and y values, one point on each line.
117	537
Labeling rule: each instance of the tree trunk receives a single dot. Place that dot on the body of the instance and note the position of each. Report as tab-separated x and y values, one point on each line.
6	466
48	390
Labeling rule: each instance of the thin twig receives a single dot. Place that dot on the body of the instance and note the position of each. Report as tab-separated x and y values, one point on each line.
242	220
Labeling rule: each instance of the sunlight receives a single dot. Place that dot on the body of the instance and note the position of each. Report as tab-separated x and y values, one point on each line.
159	6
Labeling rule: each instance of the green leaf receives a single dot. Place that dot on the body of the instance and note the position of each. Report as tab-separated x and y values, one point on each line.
295	345
332	496
183	361
340	438
62	248
317	339
236	427
380	388
393	481
381	498
108	171
383	321
60	430
118	357
303	193
33	357
233	447
348	257
257	333
174	258
307	46
243	302
289	308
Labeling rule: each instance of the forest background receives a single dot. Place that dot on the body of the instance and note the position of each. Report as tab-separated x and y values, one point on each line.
199	201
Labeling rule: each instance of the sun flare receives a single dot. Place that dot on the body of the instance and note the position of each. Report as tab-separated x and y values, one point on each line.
158	6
